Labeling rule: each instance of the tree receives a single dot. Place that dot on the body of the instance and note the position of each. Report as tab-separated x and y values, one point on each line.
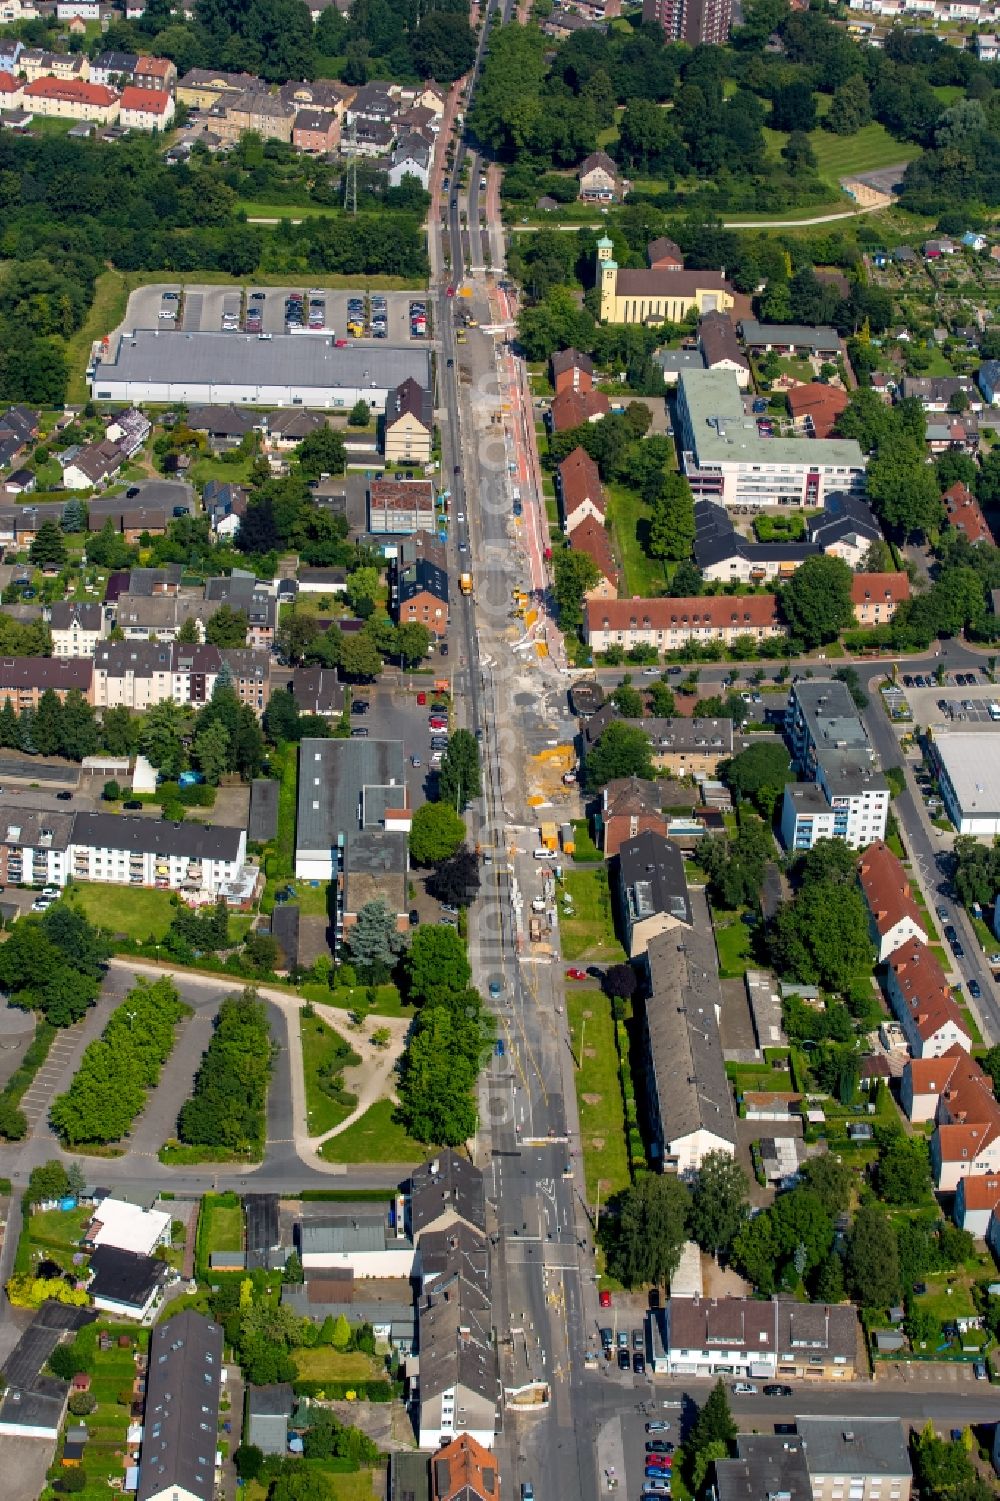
360	657
735	867
904	1170
436	966
622	751
627	699
436	1078
49	546
830	1179
758	775
321	452
341	1337
46	733
459	776
360	414
227	627
362	590
793	107
435	834
298	1484
662	702
573	574
413	642
714	1423
229	1105
373	940
850	108
189	634
212	750
821	936
817	602
872	1264
443	46
903	488
457	879
650	1231
46	1182
719	1202
620	982
249	1461
162	741
672	526
78	732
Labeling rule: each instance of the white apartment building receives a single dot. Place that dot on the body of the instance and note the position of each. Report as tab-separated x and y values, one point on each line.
145	852
76	628
726	457
848	797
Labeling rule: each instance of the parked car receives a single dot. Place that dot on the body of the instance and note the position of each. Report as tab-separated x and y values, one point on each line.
979	1370
975	990
638	1341
624	1363
605	1298
773	1389
658	1425
576	974
744	1389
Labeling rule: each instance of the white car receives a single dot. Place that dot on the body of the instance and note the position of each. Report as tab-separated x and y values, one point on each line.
52	891
41	905
744	1389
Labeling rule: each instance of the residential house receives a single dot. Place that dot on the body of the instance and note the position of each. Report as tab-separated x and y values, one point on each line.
155	73
159	618
127	1227
668	624
200	88
864	1457
287	428
877	596
386	1303
724	555
845	528
923	1003
126	1284
373	101
10	47
224	504
226	426
181	1416
571	371
656	296
129	430
943	393
720	346
318	690
11	92
133	851
965	514
935	249
18	424
34	1404
321	94
754	1340
664	254
420	593
322	580
94	465
952	434
401	507
34	844
766	1464
137	674
673	362
64	66
316	131
149	510
70	99
629	806
578	485
372	137
113	69
146	109
24	679
592	538
600	180
688	1096
445	1193
352	825
573	408
458	1380
464	1470
816	407
243	591
954	1092
652	890
75	628
893	916
269	1414
977	1198
408	430
359	1237
790	338
988	378
411	157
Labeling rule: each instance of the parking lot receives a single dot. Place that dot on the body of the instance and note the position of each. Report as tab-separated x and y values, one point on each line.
204	309
952	701
394	714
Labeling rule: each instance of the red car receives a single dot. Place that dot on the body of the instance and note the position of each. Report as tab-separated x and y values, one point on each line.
437	724
659	1461
421	698
576	974
605	1298
450	292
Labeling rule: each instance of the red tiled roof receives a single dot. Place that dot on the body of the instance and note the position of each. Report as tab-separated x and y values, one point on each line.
573	408
155	67
886	889
148	101
579	480
9	84
876	588
964	513
592	538
980	1191
717	611
925	990
464	1468
74	90
823	404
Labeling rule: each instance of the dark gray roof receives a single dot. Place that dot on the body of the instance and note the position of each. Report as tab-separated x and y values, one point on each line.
149	581
679	359
420	578
843	516
716	540
263	809
447	1183
182	1408
799	334
458	1246
64	612
651	872
719	341
456	1338
318	690
263	1233
339	777
60	673
271	1401
24	827
124	1276
768	1465
409	1476
222	422
142	659
686	1065
854	1445
53	1320
410	397
150	836
362	1228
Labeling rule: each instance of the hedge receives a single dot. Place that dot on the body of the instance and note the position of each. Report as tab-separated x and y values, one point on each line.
375	1390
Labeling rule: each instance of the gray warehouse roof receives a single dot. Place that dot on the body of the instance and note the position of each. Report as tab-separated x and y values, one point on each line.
334	777
236	359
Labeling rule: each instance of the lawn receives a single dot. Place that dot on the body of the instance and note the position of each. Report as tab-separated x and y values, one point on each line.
136	911
225	1227
374	1138
598	1094
590	932
387	999
311	898
303	209
843	156
106	312
208	467
325	1054
948	1296
323	1363
734	941
53	1234
584	846
629	517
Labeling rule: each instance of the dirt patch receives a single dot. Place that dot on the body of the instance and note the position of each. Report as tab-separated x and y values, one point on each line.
591	1099
723	1284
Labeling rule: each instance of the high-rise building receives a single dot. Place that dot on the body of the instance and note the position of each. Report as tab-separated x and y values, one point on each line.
691	21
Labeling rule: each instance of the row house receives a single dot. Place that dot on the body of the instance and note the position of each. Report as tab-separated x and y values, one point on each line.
19	524
591	537
71	99
234	114
954	1092
146	109
943	393
11	92
34	845
893	915
243	591
200	88
669	624
137	675
965	514
158	618
23	680
923	1003
581	494
76	628
739	1337
408	429
35	63
191	857
113	69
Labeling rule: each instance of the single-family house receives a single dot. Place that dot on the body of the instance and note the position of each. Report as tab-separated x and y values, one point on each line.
965	514
988	379
578	483
269	1413
146	109
600	180
572	408
592	537
893	915
126	1284
408	429
652	890
76	628
923	1002
571	371
720	346
815	408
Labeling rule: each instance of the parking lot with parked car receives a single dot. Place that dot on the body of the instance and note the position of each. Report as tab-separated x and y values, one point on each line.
262	310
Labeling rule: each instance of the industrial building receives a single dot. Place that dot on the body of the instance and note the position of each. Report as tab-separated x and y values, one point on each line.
968	768
273	370
727	457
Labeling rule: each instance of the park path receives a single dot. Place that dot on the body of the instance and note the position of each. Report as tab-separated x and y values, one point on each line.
372	1079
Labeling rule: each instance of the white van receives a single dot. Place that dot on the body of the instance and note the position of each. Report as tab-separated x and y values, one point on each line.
546	854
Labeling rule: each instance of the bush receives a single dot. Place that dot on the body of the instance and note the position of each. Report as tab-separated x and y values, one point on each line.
249	1461
80	1403
112	792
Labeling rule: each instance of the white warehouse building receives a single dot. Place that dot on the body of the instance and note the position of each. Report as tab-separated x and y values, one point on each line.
968	767
278	370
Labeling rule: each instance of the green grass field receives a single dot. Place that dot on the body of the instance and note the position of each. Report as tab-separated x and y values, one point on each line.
225	1227
387	999
734	943
51	1234
629	515
843	156
374	1138
590	932
323	1363
303	209
325	1053
138	912
598	1093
